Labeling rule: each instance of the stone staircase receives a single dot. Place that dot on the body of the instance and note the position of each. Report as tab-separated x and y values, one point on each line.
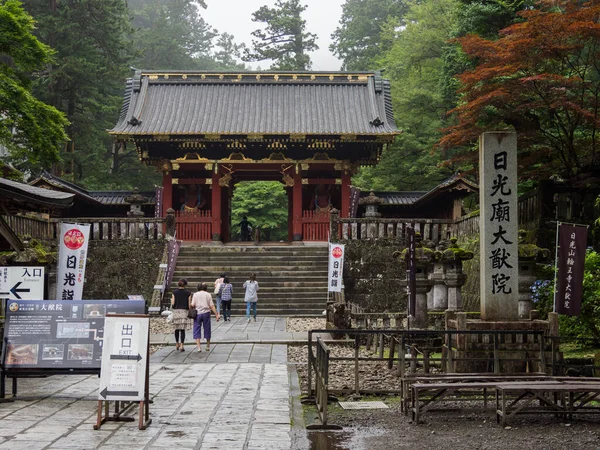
292	279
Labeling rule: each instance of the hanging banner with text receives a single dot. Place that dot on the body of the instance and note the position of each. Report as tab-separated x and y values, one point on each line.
124	357
72	256
159	202
354	201
572	242
336	267
412	272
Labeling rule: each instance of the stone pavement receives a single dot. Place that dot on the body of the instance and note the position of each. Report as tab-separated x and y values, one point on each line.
237	396
268	330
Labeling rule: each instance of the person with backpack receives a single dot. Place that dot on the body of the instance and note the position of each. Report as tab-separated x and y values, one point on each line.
218	283
251	296
226	294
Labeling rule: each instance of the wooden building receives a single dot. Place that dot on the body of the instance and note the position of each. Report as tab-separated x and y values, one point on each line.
445	201
207	131
94	203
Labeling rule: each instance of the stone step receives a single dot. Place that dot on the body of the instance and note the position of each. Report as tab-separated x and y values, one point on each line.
263	284
266	256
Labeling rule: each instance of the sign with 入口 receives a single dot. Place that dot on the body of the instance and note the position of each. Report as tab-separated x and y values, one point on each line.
124	358
22	283
336	268
72	256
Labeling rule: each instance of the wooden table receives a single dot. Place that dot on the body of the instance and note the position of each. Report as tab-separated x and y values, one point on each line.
563	398
408	381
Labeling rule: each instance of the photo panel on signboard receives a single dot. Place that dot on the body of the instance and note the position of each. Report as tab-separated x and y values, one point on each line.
81	352
95	310
53	352
22	354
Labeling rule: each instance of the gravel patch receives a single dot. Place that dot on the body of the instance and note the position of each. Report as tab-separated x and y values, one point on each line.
159	325
298	324
372	375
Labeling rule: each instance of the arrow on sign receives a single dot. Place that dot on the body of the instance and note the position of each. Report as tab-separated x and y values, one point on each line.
105	393
14	290
135	357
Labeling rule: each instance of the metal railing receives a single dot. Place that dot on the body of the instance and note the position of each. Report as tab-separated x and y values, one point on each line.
320	365
451	351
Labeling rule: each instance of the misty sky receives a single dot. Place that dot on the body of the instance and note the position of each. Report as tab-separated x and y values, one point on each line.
235	17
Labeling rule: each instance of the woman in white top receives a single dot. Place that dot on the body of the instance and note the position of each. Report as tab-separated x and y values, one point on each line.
251	297
203	303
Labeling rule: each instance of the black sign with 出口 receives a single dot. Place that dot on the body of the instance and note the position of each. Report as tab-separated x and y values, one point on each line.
47	334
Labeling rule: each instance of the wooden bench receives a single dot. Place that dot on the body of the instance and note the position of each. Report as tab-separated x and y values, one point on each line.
563	397
437	392
408	380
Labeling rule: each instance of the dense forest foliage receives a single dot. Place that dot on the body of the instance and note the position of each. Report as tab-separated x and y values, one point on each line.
457	68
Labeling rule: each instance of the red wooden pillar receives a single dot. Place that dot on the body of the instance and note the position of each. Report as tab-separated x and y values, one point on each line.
345	212
167	183
290	214
297	208
216	208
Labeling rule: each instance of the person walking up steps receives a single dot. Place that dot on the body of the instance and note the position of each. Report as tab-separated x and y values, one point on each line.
218	283
180	303
203	303
251	297
226	294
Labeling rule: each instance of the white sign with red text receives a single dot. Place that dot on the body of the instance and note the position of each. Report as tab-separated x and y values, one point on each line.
72	256
336	268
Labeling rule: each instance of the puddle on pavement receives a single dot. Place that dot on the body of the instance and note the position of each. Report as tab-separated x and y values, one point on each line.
329	440
355	438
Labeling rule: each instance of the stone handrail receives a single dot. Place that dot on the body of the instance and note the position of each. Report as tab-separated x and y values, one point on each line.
118	228
396	229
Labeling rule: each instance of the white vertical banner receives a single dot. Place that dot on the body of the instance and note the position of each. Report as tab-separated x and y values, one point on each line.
336	268
72	256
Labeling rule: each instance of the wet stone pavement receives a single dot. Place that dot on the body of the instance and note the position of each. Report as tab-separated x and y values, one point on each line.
236	396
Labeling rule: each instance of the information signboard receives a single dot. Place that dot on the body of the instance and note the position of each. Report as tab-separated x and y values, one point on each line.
124	358
57	335
22	283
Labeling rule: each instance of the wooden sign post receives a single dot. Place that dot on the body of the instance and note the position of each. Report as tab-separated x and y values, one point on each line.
124	377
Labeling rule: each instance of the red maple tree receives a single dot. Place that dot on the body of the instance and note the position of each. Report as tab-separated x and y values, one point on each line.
541	78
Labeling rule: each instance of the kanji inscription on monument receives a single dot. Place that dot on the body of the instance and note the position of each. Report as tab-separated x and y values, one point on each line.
498	226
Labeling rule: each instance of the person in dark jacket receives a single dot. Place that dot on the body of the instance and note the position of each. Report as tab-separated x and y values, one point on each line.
226	294
180	304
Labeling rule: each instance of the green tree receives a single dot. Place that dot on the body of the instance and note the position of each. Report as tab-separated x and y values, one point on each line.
85	81
540	79
227	53
33	131
284	40
171	34
415	65
357	41
265	205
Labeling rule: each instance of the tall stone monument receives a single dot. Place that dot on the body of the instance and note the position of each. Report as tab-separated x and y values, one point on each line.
498	226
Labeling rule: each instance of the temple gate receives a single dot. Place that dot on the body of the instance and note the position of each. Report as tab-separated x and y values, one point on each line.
207	131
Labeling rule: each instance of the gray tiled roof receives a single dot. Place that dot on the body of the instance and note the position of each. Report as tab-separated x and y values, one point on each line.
115	198
37	196
255	102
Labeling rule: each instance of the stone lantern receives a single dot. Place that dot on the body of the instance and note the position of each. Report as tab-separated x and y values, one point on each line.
529	256
371	203
451	260
135	200
424	258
